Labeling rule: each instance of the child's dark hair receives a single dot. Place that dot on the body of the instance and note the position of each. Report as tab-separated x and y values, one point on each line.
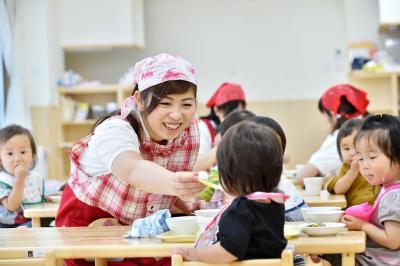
152	97
249	159
234	118
346	130
345	107
382	131
10	131
226	109
269	122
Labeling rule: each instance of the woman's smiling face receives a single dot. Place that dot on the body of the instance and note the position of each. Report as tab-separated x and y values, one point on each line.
171	117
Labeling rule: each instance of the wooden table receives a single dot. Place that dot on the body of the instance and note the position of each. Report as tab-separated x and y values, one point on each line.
317	201
347	243
38	211
101	242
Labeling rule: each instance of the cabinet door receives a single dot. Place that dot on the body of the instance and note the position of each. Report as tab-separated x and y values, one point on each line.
389	11
101	23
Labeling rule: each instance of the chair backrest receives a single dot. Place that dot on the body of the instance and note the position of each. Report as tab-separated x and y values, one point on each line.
104	222
285	260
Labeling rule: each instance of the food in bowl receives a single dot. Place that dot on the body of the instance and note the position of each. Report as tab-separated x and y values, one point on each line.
323	216
183	225
325	229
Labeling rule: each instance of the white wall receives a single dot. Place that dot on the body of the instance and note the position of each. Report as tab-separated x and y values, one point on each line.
277	49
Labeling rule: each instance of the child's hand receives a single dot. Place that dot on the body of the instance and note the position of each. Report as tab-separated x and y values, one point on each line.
355	166
352	222
187	253
20	171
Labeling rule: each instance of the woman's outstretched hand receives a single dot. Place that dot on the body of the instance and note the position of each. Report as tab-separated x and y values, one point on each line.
186	186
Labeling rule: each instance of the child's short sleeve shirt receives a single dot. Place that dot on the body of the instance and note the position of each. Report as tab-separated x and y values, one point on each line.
249	229
326	158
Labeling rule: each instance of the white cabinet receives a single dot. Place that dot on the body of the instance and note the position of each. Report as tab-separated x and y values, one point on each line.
389	11
88	24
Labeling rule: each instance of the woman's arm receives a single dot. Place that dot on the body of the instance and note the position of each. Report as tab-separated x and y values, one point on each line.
153	178
206	160
212	254
308	170
14	200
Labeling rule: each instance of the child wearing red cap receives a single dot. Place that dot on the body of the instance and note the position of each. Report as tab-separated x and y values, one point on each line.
338	104
227	98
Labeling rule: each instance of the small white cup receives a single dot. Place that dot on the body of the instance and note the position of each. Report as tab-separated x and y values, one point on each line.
313	185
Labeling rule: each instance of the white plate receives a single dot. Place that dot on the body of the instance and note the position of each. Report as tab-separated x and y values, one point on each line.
328	229
55	198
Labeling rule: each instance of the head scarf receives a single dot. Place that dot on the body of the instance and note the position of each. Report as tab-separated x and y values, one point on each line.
356	97
225	93
157	69
160	68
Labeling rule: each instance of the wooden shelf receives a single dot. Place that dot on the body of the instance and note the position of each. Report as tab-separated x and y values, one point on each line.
88	122
386	26
372	75
94	90
65	145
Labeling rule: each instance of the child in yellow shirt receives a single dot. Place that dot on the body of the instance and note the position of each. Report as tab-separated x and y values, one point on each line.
349	181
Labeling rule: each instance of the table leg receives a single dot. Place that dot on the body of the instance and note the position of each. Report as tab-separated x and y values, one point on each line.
348	259
100	261
35	222
50	259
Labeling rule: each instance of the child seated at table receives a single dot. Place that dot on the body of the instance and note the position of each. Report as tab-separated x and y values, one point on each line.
378	148
251	226
18	184
349	181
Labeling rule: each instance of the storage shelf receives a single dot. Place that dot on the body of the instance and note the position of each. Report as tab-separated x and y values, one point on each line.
88	122
372	75
94	90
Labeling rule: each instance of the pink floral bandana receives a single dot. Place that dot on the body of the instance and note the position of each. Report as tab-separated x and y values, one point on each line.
160	68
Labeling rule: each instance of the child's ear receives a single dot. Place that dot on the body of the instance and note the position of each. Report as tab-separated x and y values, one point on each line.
139	101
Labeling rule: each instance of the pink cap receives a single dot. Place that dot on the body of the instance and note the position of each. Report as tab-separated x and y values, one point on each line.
160	68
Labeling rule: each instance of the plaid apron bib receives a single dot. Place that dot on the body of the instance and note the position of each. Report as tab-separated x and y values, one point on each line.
120	199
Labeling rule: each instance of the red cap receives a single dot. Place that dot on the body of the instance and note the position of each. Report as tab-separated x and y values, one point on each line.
225	93
358	98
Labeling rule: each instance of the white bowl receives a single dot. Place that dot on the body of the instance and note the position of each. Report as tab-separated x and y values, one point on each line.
323	216
203	221
183	225
206	212
291	230
322	208
327	229
313	185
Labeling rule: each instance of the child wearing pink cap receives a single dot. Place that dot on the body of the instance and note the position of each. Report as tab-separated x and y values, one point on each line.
138	161
338	104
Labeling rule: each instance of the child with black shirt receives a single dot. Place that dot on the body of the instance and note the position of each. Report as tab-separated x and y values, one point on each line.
250	227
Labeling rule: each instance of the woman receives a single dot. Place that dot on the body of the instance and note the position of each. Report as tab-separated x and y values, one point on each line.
130	166
338	104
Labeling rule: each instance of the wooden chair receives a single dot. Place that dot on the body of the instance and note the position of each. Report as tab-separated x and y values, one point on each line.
285	260
104	222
